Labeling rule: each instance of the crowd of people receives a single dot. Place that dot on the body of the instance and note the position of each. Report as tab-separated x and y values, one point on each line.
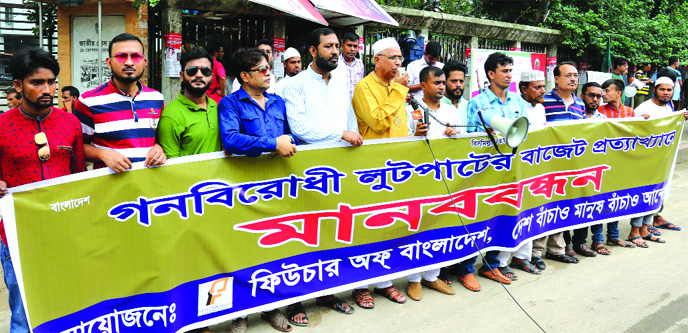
329	100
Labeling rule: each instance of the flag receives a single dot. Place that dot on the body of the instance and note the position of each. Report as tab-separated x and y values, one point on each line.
607	61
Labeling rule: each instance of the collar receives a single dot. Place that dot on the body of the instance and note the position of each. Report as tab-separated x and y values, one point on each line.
560	99
492	97
117	90
379	80
243	95
191	105
353	63
609	106
315	74
36	118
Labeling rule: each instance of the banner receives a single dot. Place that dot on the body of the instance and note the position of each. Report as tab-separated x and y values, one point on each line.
204	239
522	61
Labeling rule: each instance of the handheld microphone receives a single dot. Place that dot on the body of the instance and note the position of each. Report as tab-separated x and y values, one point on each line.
418	111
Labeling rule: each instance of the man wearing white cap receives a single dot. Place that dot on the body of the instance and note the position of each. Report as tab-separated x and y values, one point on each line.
380	97
659	105
532	87
292	66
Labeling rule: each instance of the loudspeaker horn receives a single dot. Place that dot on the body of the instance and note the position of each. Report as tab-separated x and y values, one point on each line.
515	130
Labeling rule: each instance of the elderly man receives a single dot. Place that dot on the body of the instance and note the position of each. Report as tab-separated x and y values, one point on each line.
430	58
13	98
347	60
497	100
380	97
292	66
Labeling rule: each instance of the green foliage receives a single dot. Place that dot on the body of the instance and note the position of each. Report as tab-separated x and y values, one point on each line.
640	30
137	3
49	18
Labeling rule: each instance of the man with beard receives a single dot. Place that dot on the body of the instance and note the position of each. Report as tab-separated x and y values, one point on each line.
188	124
379	99
292	66
499	101
38	142
659	105
455	72
13	98
591	95
216	89
319	111
354	66
120	117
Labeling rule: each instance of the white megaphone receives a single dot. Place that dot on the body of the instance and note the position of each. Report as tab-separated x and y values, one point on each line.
515	130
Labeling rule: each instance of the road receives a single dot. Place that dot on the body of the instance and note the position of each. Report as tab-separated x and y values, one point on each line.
631	290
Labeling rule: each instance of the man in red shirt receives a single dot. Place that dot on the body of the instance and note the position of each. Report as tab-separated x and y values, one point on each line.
217	86
39	142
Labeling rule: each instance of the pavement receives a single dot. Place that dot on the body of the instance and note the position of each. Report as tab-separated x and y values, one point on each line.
631	290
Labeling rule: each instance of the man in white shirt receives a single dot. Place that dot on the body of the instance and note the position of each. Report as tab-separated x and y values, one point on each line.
292	66
265	47
433	85
430	58
455	72
659	105
533	91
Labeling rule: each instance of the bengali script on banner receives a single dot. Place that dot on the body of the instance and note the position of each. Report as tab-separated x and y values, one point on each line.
206	238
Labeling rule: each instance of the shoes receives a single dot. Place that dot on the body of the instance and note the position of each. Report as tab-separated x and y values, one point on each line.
414	291
439	285
494	275
239	325
565	258
276	320
584	250
470	282
569	251
538	262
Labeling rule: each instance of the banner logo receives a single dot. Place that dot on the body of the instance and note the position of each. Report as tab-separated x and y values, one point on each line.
215	296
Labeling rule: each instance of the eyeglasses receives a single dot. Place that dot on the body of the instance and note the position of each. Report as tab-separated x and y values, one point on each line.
44	150
192	70
571	76
594	96
263	69
122	57
393	58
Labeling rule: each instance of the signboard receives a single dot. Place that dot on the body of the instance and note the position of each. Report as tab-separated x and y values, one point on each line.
598	77
522	61
204	239
173	54
85	49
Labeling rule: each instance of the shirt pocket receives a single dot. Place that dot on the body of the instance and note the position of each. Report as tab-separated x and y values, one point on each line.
252	124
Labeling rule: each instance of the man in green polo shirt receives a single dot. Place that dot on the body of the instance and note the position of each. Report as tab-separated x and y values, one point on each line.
189	125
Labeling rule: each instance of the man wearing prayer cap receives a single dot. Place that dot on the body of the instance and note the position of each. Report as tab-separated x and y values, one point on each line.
532	87
292	66
380	97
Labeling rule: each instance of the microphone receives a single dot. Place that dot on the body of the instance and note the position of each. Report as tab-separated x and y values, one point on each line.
418	111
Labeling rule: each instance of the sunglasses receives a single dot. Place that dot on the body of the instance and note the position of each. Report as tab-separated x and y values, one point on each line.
122	57
44	150
594	96
192	70
262	69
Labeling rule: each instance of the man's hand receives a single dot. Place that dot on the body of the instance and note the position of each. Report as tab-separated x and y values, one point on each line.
402	79
354	138
155	156
114	160
646	116
450	131
421	129
69	105
3	189
285	147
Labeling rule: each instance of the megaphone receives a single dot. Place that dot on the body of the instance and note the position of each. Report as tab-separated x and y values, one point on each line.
515	130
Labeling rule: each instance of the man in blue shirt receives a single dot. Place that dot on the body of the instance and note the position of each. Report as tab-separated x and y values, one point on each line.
497	100
253	122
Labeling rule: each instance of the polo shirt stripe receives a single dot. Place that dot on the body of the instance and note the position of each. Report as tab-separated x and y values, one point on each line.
135	133
117	125
128	152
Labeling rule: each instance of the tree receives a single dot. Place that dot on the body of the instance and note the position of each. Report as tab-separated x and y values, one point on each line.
49	21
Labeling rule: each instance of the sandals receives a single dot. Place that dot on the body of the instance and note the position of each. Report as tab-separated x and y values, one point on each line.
445	276
538	262
295	309
335	304
652	238
276	320
392	294
641	243
620	242
506	271
599	248
363	295
668	226
565	258
526	267
654	231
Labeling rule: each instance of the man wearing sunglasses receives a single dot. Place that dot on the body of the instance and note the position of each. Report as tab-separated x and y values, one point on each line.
265	47
119	118
39	142
189	124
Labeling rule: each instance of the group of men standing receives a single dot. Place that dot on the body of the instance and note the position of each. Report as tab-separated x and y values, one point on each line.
329	100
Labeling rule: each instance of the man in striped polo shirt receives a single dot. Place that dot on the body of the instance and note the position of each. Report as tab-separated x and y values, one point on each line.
119	118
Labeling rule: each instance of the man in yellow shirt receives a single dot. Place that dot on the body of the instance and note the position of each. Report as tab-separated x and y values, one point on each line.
380	97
